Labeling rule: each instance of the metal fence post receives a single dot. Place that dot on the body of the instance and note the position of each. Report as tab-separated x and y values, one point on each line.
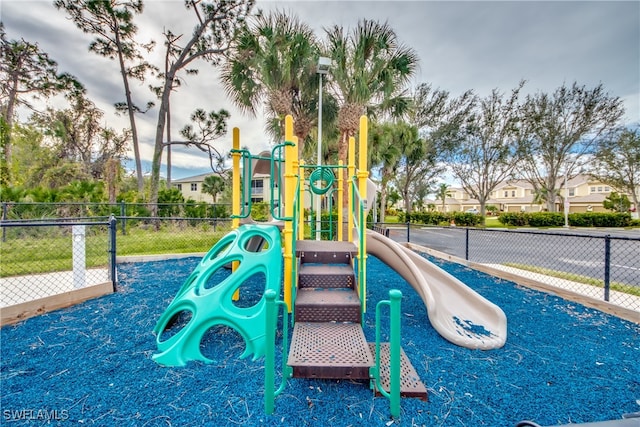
408	231
607	266
112	251
466	245
79	256
4	217
123	215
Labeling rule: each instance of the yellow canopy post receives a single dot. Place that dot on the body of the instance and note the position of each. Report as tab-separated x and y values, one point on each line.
290	158
363	175
235	200
351	171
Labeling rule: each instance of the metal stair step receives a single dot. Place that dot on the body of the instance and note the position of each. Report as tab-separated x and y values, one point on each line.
325	251
410	383
327	305
326	276
329	350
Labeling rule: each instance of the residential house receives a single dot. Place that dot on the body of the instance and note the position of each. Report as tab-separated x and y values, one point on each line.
583	193
191	188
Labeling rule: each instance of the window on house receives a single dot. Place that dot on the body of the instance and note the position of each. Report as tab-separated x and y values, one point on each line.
593	189
607	189
572	192
513	193
506	194
257	186
194	186
179	186
599	189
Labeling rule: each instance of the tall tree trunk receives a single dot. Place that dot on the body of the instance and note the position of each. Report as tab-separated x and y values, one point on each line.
343	150
168	144
159	145
383	203
11	103
131	112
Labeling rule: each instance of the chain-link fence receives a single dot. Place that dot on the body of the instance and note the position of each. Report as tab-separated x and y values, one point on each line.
151	236
40	259
187	209
603	265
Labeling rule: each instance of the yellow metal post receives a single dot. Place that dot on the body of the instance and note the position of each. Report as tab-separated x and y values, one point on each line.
340	201
235	200
363	171
363	174
290	155
235	204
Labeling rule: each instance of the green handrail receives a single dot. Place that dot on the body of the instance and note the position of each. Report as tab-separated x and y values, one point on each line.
360	223
295	231
278	179
328	192
393	395
330	227
245	206
273	308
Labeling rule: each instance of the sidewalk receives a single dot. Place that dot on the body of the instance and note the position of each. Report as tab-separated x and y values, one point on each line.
621	299
20	289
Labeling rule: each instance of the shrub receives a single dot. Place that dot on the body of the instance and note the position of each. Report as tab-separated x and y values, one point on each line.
465	219
556	219
260	211
516	219
545	219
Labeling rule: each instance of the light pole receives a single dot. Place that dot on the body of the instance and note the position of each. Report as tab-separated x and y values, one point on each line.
323	68
566	200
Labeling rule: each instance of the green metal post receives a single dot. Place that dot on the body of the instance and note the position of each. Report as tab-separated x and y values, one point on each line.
394	344
269	363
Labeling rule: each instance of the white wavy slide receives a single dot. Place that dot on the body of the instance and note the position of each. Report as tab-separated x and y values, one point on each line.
457	312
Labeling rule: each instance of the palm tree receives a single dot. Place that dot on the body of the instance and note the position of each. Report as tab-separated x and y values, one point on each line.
213	185
369	73
385	153
442	193
273	64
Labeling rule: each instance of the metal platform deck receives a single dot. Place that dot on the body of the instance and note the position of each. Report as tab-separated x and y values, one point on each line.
329	350
325	252
410	384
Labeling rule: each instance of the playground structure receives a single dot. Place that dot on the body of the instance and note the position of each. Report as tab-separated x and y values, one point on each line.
323	283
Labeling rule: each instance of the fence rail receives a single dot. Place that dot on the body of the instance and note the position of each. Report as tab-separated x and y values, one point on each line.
76	210
591	263
39	256
58	262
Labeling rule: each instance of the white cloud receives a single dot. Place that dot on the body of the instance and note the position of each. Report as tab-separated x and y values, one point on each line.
462	45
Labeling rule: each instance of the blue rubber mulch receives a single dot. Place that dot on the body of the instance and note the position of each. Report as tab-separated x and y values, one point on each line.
91	365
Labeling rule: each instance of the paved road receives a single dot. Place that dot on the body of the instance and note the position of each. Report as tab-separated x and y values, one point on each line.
582	252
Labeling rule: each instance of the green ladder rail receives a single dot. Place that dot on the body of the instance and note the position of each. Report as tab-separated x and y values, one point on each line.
395	298
273	308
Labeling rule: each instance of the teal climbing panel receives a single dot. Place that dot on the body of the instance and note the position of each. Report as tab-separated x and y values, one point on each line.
208	305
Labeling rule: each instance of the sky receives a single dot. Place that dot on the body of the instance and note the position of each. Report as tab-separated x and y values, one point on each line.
462	45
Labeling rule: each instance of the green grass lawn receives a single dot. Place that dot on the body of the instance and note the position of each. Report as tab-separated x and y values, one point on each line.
614	286
52	251
492	222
